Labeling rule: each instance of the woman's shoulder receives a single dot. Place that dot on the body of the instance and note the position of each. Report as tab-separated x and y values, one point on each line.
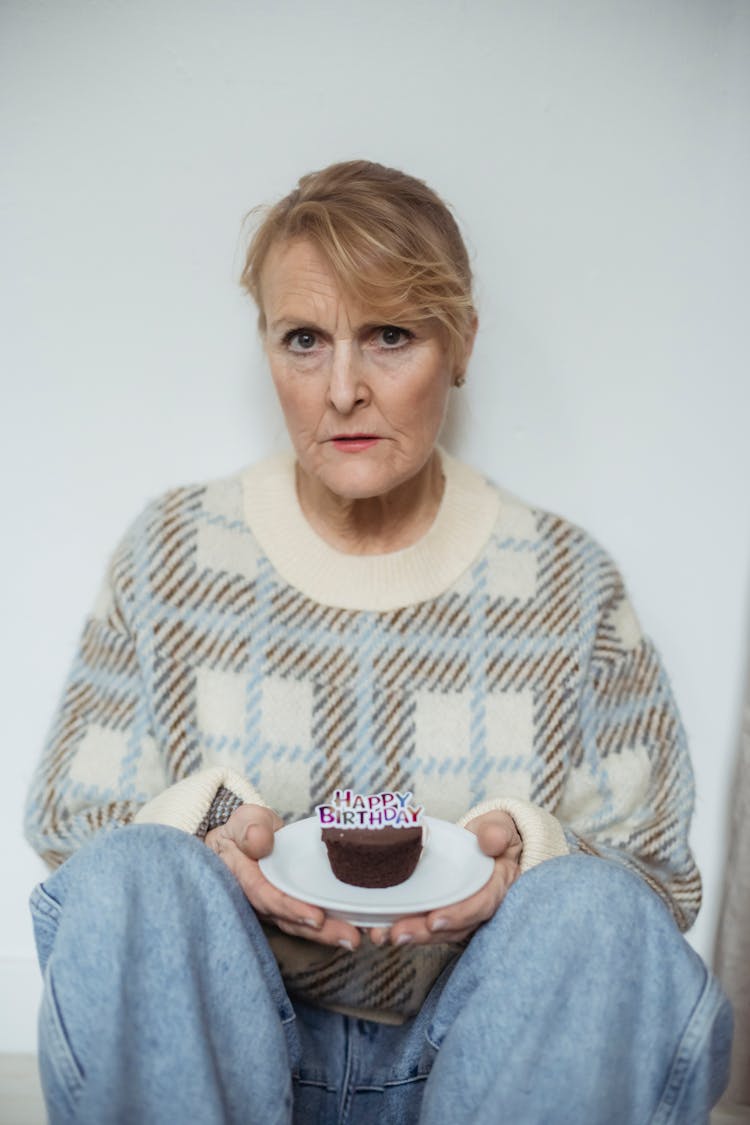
522	520
219	498
556	548
170	521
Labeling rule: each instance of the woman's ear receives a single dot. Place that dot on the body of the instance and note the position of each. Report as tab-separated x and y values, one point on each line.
470	335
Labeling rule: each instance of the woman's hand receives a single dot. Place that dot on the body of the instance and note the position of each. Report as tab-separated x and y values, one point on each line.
498	837
244	839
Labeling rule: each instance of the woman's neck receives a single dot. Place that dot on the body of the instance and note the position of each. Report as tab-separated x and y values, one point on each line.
374	525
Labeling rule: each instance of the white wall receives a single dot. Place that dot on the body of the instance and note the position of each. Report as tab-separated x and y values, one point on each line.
597	154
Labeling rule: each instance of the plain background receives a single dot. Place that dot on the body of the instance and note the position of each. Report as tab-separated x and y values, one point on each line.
597	155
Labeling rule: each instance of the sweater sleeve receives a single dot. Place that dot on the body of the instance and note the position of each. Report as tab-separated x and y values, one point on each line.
103	765
629	792
626	789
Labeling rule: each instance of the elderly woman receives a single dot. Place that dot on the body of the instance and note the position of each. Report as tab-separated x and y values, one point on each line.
367	613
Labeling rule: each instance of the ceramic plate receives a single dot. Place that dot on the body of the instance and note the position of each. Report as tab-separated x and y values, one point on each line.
451	867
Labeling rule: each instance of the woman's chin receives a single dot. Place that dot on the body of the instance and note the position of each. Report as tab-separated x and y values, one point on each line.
355	478
353	486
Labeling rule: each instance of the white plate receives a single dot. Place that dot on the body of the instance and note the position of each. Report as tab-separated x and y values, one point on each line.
451	867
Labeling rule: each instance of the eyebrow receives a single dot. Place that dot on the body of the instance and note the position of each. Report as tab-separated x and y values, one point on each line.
369	326
294	322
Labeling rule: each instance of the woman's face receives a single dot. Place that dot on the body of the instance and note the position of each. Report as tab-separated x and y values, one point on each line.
363	401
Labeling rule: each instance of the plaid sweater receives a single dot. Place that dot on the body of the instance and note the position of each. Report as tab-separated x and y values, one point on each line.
234	656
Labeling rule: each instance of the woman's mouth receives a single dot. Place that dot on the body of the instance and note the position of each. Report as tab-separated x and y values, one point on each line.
354	443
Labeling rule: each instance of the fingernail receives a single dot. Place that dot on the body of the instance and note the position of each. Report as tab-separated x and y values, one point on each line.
403	939
312	922
439	924
346	944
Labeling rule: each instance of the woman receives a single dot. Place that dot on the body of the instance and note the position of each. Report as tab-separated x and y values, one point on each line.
367	613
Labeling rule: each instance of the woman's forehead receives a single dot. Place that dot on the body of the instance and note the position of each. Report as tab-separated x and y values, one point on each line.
297	281
297	270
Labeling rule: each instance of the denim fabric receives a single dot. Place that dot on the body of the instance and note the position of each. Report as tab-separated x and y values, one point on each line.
578	1003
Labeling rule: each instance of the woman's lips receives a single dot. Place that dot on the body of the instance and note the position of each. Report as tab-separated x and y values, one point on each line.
354	443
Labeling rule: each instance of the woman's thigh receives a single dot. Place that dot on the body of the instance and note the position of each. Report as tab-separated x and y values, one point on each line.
161	994
579	1001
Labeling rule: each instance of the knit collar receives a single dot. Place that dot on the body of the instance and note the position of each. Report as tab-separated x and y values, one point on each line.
468	511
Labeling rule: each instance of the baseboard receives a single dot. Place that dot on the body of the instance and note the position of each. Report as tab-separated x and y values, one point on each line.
730	1114
20	994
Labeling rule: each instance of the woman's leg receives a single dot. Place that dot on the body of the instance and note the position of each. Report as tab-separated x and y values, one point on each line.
579	1003
162	1001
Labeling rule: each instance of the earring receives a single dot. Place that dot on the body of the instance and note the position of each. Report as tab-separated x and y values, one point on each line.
459	381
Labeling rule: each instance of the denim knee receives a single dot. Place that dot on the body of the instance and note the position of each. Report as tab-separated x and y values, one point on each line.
575	917
138	847
98	871
169	876
581	893
155	856
579	1001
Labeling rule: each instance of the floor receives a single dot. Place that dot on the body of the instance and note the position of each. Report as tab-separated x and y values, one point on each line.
21	1099
20	1096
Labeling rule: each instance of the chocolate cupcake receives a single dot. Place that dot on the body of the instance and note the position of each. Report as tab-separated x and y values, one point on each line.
373	857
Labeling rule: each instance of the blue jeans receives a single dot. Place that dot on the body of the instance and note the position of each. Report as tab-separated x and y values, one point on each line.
579	1002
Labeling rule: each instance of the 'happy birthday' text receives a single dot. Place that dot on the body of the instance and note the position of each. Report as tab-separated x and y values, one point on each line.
369	810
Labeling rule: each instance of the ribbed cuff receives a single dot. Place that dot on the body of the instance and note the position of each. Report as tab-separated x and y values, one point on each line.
186	804
541	832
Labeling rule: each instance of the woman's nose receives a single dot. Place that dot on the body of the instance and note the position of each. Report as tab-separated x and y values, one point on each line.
347	386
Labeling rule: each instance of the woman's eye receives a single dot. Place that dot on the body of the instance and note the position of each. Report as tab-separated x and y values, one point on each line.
300	340
389	336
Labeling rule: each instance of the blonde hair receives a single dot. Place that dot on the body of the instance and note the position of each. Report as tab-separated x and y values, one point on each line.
391	242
